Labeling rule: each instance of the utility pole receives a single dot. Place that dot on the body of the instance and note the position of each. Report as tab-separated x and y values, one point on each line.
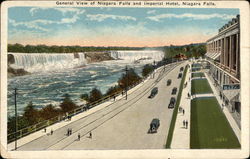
154	69
126	69
16	128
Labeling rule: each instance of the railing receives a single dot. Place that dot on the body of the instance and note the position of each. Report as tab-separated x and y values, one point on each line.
43	124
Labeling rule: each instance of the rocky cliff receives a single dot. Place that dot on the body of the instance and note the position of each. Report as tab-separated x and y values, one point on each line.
97	56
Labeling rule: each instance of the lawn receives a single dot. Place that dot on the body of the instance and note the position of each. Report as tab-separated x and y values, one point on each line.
196	69
196	65
200	86
199	74
209	126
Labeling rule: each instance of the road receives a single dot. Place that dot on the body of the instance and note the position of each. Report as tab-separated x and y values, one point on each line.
124	124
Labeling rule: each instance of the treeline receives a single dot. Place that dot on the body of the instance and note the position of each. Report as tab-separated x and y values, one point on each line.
192	50
32	115
62	49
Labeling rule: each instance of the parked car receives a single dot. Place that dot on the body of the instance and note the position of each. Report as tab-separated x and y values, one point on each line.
174	90
180	75
172	102
181	69
153	92
154	125
169	82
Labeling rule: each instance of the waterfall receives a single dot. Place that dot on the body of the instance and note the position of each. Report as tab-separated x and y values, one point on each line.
138	55
40	62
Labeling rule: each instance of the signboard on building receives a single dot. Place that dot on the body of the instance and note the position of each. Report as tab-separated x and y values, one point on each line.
231	86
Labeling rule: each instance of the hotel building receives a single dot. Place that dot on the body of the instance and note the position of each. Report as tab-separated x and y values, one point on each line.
223	56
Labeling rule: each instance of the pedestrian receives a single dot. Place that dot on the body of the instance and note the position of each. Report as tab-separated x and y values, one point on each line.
186	124
45	130
114	97
51	132
90	135
79	136
183	111
68	132
122	93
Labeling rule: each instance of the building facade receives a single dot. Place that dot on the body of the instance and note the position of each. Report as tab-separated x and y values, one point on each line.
223	56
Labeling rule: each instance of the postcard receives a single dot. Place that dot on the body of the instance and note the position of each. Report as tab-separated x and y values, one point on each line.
125	79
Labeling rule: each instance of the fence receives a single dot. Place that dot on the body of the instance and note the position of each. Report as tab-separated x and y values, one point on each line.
43	124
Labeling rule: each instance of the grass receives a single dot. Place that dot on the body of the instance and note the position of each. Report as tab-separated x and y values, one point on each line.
209	126
196	69
200	86
199	74
196	65
172	124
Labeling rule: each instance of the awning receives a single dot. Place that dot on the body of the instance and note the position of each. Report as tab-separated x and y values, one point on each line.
232	95
212	55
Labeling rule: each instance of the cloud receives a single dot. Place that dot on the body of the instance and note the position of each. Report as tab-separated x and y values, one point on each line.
35	24
31	24
62	10
191	16
151	12
102	17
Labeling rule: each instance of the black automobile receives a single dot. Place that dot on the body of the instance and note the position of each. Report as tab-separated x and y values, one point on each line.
169	82
180	75
181	69
153	92
174	90
154	125
172	102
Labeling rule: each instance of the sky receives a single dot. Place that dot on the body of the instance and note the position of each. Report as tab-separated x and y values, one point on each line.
134	27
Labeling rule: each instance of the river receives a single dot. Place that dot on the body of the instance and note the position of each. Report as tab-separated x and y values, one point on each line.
55	75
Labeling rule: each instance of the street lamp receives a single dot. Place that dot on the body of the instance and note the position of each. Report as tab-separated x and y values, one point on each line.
154	69
16	124
126	87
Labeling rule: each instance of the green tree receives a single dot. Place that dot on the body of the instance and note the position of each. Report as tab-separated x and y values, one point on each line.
67	104
128	79
147	69
21	123
95	95
31	114
84	96
113	90
49	112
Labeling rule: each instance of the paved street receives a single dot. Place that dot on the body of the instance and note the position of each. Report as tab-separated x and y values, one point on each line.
121	125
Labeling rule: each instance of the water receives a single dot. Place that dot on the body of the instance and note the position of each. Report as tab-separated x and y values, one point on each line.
47	86
42	62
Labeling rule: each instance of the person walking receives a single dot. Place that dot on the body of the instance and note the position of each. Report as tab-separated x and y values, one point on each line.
45	130
183	111
186	124
79	136
90	135
51	132
68	132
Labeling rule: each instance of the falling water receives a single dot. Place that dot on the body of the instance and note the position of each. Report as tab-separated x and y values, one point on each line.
138	55
41	62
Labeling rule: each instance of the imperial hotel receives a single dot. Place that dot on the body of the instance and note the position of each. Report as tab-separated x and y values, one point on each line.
223	56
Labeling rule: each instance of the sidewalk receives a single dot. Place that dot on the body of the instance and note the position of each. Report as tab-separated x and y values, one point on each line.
227	113
181	135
